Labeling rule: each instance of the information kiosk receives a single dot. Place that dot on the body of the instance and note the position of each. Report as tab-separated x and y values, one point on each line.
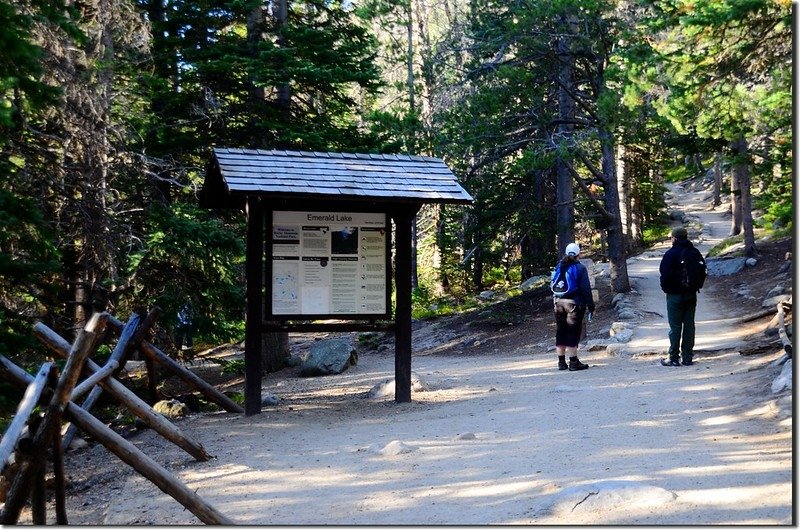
319	240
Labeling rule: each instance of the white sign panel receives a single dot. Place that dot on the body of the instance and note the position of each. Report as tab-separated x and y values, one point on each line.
327	263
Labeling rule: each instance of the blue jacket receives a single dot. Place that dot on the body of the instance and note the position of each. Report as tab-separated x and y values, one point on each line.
583	293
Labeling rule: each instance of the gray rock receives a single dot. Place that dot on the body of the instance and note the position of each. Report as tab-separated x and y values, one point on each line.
171	408
775	291
395	448
615	350
386	388
486	295
606	496
270	400
724	266
775	300
77	444
618	327
624	335
784	380
328	357
534	282
751	262
619	297
626	314
677	215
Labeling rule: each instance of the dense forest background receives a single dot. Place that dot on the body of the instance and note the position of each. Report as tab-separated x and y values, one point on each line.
563	119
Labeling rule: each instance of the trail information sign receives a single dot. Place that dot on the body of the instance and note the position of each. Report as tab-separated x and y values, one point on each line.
329	264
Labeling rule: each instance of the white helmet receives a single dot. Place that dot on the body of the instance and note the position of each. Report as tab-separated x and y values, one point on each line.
573	249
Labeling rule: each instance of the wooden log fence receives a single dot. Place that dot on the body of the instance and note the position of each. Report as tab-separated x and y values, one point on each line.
126	397
29	401
31	451
132	332
30	473
128	453
157	356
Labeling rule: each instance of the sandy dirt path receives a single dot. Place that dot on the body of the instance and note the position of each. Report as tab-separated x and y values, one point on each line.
502	439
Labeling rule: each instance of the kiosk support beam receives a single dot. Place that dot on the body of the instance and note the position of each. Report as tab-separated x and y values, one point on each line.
254	272
402	350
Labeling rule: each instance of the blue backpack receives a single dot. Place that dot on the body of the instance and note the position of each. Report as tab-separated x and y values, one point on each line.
563	281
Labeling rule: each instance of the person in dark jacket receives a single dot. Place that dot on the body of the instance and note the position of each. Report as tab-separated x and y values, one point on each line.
681	302
570	310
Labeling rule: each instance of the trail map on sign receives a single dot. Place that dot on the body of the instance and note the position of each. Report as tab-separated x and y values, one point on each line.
326	263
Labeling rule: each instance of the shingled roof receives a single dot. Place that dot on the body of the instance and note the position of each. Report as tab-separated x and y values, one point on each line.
236	173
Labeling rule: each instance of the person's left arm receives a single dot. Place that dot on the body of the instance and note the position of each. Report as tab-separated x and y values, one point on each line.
586	289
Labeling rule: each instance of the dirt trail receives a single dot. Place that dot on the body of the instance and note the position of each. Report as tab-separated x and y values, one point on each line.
500	438
714	332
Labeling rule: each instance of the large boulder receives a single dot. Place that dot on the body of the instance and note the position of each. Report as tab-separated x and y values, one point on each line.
328	357
724	266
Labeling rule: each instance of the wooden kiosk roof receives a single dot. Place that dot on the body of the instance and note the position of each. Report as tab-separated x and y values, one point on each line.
237	173
262	182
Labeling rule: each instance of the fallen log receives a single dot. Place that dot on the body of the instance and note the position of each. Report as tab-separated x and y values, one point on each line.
129	453
202	386
748	318
131	401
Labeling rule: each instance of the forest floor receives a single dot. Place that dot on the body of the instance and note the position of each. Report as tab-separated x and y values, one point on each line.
500	436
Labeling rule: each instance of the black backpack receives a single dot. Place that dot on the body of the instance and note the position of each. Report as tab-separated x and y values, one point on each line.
692	270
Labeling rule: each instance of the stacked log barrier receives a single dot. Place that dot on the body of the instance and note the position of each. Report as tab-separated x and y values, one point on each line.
187	376
126	452
130	400
31	467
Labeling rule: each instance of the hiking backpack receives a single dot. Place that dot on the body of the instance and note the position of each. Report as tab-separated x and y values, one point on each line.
692	270
563	280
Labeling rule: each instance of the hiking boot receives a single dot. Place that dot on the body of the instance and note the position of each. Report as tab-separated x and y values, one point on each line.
687	362
669	362
575	364
562	364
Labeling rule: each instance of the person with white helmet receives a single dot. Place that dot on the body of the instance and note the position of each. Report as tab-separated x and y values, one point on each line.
572	296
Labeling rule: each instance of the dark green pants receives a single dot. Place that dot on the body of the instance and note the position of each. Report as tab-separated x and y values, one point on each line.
680	315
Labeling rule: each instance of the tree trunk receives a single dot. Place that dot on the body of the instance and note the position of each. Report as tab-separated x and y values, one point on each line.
736	201
616	239
624	189
717	178
565	215
284	90
742	169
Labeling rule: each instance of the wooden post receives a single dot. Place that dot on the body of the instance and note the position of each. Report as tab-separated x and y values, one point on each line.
29	401
116	359
121	393
403	271
128	453
254	263
152	380
30	467
60	485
